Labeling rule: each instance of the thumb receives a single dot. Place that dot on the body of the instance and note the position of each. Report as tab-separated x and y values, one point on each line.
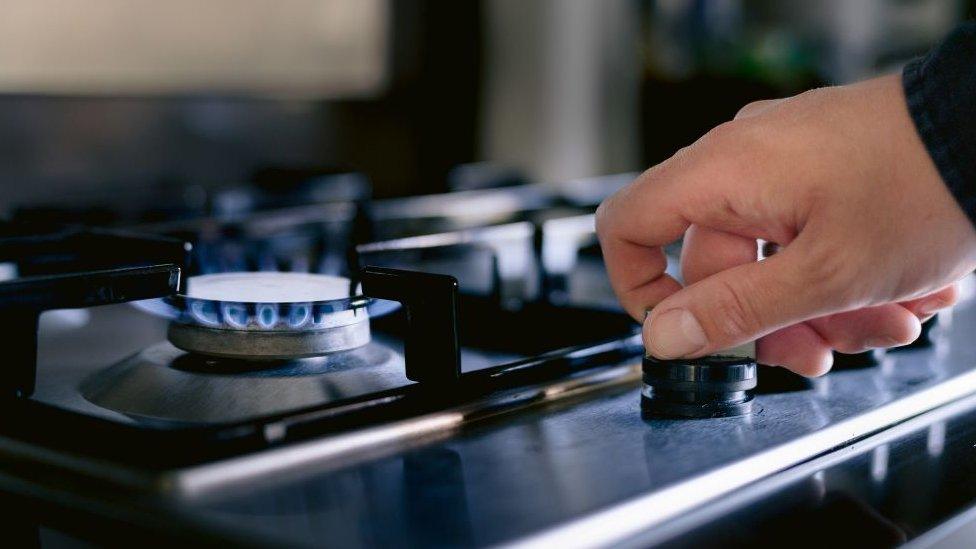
735	306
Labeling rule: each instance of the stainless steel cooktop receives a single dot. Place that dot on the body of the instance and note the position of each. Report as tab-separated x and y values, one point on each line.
516	421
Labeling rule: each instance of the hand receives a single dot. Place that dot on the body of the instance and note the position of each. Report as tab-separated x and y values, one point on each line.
871	239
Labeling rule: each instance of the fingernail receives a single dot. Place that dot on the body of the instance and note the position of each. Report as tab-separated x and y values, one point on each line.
676	333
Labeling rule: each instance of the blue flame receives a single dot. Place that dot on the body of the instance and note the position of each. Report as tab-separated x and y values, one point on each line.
299	315
266	315
205	312
235	314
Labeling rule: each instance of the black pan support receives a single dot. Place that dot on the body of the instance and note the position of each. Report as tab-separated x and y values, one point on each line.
71	276
431	351
22	302
72	268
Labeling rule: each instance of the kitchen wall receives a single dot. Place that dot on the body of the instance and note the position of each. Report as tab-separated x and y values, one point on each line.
124	95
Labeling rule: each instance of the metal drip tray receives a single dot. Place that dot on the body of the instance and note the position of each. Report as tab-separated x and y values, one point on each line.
165	384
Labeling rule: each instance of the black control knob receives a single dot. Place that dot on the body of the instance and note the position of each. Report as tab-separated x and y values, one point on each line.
707	387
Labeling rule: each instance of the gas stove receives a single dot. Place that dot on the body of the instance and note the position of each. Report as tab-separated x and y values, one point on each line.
436	370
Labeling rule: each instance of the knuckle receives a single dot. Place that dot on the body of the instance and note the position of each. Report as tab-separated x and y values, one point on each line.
604	217
722	136
823	93
736	148
604	221
746	109
600	218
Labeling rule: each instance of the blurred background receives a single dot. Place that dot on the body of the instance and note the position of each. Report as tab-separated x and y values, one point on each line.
124	101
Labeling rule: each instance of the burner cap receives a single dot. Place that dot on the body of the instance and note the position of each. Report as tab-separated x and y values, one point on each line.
267	287
268	316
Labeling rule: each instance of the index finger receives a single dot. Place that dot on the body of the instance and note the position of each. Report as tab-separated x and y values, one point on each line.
708	183
636	223
633	226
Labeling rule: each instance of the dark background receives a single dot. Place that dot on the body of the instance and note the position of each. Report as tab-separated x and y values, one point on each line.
465	82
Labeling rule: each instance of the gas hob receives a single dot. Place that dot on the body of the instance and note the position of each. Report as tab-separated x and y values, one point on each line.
494	398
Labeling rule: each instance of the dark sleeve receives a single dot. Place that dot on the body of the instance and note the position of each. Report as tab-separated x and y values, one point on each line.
941	93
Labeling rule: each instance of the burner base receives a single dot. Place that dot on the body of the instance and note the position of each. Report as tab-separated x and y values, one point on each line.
268	345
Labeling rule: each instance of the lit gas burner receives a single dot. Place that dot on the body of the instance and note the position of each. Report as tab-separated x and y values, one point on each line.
243	345
268	316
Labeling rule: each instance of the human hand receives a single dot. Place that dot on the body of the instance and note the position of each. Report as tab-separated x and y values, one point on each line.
871	239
